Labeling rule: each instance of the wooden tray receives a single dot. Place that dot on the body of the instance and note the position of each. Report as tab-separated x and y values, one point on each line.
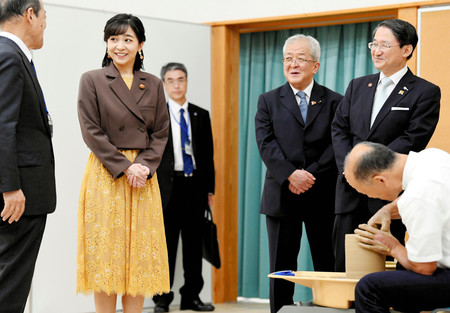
329	289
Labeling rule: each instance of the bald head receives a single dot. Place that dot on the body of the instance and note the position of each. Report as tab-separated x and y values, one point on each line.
375	170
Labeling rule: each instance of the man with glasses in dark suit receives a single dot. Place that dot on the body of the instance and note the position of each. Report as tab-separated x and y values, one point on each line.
293	133
395	108
186	180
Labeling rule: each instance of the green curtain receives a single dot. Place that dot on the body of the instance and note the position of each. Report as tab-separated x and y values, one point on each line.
344	55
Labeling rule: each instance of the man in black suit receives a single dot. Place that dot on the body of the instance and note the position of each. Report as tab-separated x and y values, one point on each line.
394	108
186	180
294	139
27	180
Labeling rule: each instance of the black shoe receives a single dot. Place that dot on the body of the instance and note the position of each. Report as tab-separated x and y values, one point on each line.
196	305
161	308
162	302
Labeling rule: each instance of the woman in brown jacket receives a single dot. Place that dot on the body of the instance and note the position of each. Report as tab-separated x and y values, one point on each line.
124	122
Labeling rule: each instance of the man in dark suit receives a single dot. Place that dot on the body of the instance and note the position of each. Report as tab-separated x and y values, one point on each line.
27	180
294	139
394	108
186	181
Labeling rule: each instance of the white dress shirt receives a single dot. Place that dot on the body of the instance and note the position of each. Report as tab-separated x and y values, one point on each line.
425	206
174	109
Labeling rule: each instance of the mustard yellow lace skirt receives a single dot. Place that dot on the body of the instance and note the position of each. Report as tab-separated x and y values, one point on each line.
121	240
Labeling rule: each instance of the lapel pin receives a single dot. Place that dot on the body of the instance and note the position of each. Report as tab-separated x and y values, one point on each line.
195	113
313	102
401	92
142	86
405	88
370	85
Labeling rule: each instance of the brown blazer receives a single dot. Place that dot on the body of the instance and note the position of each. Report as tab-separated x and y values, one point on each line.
113	117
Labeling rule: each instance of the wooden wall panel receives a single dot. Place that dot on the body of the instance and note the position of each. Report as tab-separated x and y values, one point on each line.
225	126
410	15
435	67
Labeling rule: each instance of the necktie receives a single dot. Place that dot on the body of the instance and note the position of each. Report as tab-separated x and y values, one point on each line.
303	105
380	98
188	167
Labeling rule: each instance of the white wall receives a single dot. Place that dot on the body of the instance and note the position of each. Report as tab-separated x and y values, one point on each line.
202	11
73	45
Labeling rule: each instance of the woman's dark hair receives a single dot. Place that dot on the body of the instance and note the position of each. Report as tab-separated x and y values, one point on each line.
118	25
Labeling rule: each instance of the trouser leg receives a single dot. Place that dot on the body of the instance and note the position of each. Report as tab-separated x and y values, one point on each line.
284	235
403	290
19	248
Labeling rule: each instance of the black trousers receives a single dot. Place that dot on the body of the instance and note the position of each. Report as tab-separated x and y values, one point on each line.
403	290
184	215
19	247
284	235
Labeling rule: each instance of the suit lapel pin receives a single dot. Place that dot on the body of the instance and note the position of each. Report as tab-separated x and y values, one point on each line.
401	92
405	88
313	102
370	85
142	86
195	113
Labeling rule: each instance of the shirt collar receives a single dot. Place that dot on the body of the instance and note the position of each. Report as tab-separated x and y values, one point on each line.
307	90
396	76
175	107
18	42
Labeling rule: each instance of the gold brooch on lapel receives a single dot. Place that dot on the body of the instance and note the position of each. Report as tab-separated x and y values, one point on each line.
370	85
313	102
401	92
142	86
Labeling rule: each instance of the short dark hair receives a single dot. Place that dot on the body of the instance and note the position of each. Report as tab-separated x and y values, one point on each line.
118	25
13	8
378	158
173	66
403	31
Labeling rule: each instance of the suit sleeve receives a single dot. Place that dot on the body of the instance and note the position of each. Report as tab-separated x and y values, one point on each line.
11	85
326	161
91	129
271	154
151	157
422	123
340	130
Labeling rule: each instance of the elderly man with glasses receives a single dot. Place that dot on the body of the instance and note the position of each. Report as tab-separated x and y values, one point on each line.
293	133
394	108
186	180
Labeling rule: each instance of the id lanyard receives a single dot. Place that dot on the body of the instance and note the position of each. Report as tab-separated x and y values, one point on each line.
186	131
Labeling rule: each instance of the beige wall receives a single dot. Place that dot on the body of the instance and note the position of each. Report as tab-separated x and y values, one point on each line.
434	64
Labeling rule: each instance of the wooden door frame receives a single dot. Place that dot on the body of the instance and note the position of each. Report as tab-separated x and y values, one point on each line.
225	115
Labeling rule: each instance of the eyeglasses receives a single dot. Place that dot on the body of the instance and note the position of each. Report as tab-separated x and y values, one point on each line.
382	46
175	81
290	60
